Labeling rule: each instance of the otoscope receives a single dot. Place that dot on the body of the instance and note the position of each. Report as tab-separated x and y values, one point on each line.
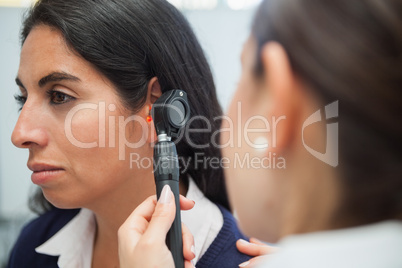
170	113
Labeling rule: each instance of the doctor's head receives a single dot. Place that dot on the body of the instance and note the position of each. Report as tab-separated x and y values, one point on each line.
321	84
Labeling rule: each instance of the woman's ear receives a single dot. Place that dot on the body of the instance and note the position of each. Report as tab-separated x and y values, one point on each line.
283	94
154	93
154	90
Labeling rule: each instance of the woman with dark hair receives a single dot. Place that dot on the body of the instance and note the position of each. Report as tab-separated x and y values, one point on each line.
89	73
326	76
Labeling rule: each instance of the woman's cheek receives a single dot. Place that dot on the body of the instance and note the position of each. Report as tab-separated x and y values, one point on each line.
82	128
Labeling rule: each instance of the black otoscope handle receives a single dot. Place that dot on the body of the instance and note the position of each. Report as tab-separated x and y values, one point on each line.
166	172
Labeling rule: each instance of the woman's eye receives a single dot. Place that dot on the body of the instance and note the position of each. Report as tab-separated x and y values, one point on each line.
57	97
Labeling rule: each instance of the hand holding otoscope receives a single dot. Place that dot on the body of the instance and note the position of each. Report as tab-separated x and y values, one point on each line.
142	236
170	113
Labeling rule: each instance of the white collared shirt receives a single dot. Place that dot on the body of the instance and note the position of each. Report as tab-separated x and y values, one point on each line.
370	246
74	242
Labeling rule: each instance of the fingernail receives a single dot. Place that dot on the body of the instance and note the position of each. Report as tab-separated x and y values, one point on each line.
244	264
166	195
244	241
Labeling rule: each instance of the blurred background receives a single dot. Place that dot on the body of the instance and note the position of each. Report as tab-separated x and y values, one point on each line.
222	26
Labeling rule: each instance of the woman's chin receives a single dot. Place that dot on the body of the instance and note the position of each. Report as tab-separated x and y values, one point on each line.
61	202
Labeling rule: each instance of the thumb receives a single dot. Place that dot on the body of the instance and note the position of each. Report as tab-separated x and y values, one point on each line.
163	216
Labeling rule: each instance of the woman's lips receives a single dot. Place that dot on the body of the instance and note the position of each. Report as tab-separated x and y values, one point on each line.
43	173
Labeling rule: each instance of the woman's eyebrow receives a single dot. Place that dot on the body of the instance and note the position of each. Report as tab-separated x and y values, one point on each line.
53	77
57	77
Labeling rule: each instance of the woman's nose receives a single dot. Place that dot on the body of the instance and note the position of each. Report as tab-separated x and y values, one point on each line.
29	130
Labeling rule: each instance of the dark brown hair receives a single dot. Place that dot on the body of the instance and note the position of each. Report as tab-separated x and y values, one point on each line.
350	51
131	42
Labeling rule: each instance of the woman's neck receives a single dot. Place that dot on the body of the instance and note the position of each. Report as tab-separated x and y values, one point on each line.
105	248
110	214
111	210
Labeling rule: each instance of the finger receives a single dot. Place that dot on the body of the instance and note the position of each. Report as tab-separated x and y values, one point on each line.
188	243
185	203
257	241
136	224
255	262
254	249
144	210
162	218
147	208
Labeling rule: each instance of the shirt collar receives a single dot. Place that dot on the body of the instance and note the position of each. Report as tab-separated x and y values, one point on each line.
74	242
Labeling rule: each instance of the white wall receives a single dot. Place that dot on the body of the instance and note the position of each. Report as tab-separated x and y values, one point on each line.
221	32
14	175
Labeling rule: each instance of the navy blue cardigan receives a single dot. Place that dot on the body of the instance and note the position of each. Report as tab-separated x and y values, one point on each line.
222	253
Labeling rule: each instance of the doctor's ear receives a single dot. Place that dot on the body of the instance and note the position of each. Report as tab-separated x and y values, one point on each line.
285	92
154	90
